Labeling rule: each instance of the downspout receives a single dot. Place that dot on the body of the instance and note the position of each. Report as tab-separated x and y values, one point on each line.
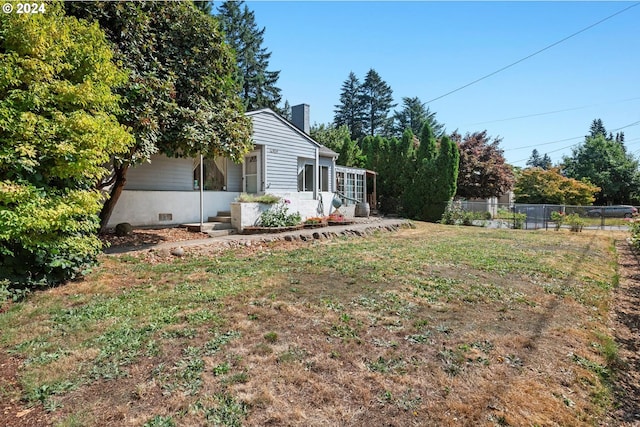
201	191
316	174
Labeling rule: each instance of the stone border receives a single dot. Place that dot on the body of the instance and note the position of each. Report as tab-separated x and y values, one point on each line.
237	240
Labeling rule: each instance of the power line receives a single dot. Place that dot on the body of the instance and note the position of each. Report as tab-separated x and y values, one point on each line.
553	112
567	139
533	54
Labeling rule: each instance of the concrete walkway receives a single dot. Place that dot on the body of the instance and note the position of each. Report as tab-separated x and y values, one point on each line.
359	228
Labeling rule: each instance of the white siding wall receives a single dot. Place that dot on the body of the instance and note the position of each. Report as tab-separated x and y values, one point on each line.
282	148
142	208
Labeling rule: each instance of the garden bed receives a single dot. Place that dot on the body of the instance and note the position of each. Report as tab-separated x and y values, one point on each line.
270	230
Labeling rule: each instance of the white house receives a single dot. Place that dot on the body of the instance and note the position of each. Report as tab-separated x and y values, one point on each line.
285	161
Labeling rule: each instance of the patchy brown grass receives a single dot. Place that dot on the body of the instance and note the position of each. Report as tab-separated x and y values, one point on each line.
438	325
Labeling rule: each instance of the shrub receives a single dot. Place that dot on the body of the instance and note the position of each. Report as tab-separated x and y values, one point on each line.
454	215
279	216
576	222
558	218
268	199
58	130
634	229
519	219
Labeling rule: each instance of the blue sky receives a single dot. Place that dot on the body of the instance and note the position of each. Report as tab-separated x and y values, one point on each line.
427	49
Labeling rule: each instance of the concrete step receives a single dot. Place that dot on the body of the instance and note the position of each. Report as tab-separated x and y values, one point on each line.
219	218
208	226
219	233
224	213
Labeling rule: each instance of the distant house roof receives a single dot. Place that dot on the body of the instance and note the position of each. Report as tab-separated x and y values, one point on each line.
323	151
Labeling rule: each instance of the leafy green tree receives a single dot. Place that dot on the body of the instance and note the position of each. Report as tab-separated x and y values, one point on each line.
258	84
182	97
57	130
350	111
537	185
605	163
377	98
413	115
483	169
537	161
329	135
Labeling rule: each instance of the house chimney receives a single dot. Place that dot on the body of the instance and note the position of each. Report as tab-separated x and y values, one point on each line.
300	117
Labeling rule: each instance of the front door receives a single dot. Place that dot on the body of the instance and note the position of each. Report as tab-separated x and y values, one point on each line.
251	172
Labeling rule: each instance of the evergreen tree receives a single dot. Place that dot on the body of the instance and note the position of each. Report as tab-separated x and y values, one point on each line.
377	98
413	115
286	110
537	161
434	181
350	154
350	112
446	172
597	128
206	6
258	85
401	169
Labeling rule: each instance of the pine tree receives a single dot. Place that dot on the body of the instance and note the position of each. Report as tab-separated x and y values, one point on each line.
350	111
536	161
377	98
597	128
206	6
258	85
413	115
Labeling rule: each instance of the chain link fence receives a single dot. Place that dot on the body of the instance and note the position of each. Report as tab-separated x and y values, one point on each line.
536	216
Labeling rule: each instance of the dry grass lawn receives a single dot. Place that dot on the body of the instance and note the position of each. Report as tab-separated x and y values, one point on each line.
437	325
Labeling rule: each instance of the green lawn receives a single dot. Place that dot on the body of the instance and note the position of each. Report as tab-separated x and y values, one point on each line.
438	325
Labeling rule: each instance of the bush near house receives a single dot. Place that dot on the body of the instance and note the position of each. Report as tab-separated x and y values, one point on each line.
56	131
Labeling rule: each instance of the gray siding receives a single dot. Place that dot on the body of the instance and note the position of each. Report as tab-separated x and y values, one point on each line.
282	148
325	161
163	173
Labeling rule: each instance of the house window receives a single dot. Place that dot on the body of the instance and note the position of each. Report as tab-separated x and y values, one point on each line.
351	185
340	182
215	174
324	178
305	177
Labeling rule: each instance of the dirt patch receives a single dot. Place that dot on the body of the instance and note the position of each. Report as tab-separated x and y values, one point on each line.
151	236
13	412
626	329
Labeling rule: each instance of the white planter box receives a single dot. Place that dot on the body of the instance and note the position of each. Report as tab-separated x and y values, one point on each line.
246	214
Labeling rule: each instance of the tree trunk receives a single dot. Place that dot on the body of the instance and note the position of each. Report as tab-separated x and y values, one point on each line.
114	195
